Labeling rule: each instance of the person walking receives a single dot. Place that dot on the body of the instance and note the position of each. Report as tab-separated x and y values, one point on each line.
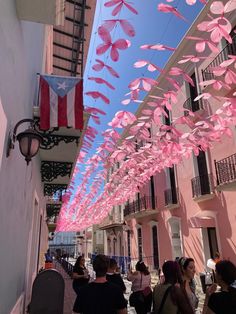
80	274
169	297
141	297
100	296
188	270
224	301
113	276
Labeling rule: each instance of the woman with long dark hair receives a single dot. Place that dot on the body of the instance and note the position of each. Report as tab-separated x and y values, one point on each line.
224	301
141	297
80	274
169	297
187	266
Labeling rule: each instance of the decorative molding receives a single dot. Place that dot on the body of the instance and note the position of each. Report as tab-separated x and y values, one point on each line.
138	226
50	170
153	223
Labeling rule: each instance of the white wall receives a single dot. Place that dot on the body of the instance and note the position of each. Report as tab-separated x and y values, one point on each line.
21	55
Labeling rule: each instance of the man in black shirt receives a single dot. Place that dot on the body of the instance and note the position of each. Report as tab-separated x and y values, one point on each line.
100	296
114	277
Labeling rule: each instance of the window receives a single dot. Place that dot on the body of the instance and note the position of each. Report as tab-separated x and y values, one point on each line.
138	201
194	93
173	185
203	173
155	247
167	119
140	248
152	186
129	243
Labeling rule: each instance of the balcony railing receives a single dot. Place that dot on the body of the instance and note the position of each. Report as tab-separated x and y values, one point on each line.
192	105
110	221
202	185
171	197
139	205
226	170
229	49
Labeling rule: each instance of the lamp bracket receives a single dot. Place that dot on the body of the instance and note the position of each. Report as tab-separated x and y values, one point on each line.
50	139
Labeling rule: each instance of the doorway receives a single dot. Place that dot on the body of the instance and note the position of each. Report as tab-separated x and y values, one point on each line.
212	239
210	243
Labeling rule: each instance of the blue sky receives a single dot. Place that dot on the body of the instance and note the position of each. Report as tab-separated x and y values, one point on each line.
151	27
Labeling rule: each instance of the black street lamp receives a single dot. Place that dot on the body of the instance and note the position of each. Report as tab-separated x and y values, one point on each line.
29	140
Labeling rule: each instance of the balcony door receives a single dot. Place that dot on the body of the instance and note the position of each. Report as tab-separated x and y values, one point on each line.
231	48
138	202
152	187
129	243
194	93
203	173
212	239
140	245
173	185
175	232
155	247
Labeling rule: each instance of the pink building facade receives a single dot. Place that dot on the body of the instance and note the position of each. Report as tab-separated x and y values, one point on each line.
189	209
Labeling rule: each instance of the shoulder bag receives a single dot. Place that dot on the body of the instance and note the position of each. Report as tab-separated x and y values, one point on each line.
164	299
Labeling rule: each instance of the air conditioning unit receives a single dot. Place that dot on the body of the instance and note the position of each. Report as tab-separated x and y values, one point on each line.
41	11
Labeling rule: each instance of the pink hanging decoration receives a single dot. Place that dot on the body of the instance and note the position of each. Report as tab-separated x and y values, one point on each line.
96	95
125	25
100	65
168	144
146	83
177	71
166	8
119	44
119	4
159	47
192	58
99	80
122	119
151	67
202	43
95	111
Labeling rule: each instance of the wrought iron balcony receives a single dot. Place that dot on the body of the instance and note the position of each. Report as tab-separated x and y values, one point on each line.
226	170
111	222
202	185
171	197
142	204
192	105
229	49
53	209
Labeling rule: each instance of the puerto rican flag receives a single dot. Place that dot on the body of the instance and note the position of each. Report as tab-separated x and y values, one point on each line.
61	102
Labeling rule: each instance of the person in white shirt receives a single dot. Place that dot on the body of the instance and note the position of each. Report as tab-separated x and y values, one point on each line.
141	298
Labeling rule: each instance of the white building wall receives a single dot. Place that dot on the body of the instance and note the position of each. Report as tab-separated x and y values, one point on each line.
21	57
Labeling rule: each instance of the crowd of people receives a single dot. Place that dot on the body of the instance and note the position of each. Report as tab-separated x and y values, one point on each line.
174	294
